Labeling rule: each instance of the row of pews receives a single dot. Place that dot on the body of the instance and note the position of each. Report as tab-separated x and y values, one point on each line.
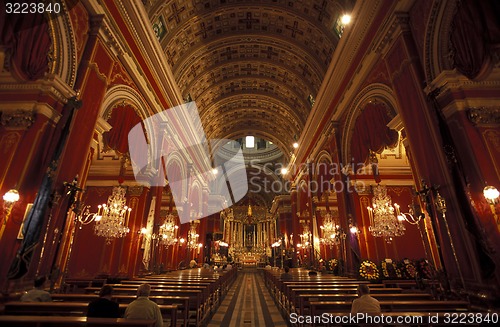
331	296
186	297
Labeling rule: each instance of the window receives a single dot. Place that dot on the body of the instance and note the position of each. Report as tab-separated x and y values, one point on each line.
250	142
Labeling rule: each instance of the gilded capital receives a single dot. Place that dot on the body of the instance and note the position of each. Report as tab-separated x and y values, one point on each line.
18	119
484	115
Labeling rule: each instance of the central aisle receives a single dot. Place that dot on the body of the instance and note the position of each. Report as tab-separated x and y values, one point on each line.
248	303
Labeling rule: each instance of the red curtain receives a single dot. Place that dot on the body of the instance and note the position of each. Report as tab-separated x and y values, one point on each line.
27	38
475	32
371	132
468	40
122	119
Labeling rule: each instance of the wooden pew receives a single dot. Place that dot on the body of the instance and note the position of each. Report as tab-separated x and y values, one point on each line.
320	307
283	287
48	321
197	297
305	299
292	300
288	291
73	285
403	283
182	302
72	309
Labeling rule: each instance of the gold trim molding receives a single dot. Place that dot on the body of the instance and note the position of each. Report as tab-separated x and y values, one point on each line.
484	115
135	190
18	119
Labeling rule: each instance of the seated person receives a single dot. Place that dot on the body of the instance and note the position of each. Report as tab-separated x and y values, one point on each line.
229	266
193	264
312	273
37	294
143	307
365	303
103	307
286	275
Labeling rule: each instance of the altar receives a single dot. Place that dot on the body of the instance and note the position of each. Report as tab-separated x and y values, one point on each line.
249	260
249	232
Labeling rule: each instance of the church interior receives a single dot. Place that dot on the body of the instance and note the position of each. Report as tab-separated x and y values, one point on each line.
356	141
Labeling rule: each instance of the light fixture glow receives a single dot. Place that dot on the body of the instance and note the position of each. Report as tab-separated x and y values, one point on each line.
250	141
346	19
491	193
284	171
295	145
11	196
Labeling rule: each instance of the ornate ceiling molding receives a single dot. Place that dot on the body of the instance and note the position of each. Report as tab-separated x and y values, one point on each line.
227	54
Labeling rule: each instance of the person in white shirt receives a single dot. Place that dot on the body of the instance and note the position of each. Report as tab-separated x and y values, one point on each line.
143	307
37	294
365	303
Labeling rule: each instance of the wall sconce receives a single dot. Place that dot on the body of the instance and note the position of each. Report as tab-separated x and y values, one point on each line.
491	194
9	199
413	216
352	227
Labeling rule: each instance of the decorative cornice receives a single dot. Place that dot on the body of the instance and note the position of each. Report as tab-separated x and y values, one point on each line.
18	119
51	85
398	23
135	190
484	115
450	80
102	126
396	124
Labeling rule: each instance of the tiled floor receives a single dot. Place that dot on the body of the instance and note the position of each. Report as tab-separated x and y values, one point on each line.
248	303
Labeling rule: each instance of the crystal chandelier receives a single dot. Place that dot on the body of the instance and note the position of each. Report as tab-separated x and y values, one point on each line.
305	237
383	220
331	231
113	216
193	235
168	231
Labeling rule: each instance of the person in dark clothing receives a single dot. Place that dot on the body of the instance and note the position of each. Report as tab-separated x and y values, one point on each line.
286	275
103	307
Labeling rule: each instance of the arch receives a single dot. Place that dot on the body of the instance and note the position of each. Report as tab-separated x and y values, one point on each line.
436	43
63	48
123	94
302	195
217	188
323	172
195	193
322	157
373	92
174	160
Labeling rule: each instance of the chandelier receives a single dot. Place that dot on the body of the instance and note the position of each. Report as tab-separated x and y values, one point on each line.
112	218
193	235
168	231
332	232
383	220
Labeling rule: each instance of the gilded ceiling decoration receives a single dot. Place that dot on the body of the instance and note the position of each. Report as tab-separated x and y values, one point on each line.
251	66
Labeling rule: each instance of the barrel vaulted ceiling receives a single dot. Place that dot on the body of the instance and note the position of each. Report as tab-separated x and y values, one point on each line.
249	65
